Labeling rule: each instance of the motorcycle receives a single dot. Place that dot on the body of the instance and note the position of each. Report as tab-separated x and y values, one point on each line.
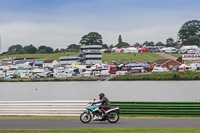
93	111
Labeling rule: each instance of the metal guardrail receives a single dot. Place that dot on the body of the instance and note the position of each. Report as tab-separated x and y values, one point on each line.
42	108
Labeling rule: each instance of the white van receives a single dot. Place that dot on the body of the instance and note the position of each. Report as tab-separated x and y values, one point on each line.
191	68
165	70
105	73
157	70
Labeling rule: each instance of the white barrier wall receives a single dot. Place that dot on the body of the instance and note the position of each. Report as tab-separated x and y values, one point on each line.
42	108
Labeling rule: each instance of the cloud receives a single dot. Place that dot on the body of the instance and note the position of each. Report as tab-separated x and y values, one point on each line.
66	23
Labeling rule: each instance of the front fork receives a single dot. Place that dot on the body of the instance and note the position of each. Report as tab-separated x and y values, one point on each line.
89	112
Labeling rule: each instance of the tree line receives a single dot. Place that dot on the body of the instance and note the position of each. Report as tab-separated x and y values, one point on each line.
189	34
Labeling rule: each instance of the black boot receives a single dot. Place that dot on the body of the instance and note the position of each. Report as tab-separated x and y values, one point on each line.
104	114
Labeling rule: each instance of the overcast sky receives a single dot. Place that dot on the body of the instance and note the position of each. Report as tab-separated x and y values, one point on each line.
59	23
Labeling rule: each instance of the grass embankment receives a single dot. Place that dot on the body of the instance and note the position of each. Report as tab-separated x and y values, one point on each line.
161	76
176	55
54	79
40	57
106	131
116	57
123	57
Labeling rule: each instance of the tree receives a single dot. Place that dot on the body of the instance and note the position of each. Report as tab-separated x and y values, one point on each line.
15	48
30	49
193	40
148	43
111	46
190	28
22	51
93	38
42	51
62	50
47	49
122	44
160	44
120	39
73	48
104	46
57	50
170	42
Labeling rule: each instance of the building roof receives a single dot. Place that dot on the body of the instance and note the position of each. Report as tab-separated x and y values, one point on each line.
48	61
161	61
69	57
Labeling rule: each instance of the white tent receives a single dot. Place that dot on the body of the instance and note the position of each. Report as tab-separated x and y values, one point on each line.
115	50
130	49
189	47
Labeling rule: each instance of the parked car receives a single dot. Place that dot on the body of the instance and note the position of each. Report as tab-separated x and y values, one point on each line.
119	73
105	73
87	73
69	75
170	51
175	69
191	52
131	72
165	70
176	51
89	70
157	70
50	75
97	73
61	75
183	51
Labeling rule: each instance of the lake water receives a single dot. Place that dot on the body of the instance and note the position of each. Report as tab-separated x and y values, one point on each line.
114	90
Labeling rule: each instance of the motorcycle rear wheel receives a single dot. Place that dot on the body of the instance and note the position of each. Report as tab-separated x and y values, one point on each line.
85	117
113	117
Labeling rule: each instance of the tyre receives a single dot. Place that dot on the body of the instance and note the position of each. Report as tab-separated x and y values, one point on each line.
85	117
113	117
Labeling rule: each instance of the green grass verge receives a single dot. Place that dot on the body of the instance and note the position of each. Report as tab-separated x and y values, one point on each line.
161	76
106	131
123	57
176	55
41	57
117	57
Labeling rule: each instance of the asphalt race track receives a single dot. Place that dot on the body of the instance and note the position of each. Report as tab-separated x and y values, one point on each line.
36	124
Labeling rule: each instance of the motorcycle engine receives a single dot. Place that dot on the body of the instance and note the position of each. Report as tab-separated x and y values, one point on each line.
98	114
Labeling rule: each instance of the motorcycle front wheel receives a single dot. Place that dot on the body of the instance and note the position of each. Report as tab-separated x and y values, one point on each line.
85	117
113	117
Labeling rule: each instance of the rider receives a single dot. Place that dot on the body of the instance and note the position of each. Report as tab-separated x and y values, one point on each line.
105	104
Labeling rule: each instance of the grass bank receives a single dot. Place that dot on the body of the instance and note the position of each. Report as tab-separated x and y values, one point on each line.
160	76
40	57
123	57
116	57
106	131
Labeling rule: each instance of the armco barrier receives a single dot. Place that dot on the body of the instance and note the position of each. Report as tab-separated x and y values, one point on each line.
159	108
76	107
42	108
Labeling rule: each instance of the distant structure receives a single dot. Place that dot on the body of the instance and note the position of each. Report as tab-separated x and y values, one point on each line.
0	44
120	39
68	60
90	54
